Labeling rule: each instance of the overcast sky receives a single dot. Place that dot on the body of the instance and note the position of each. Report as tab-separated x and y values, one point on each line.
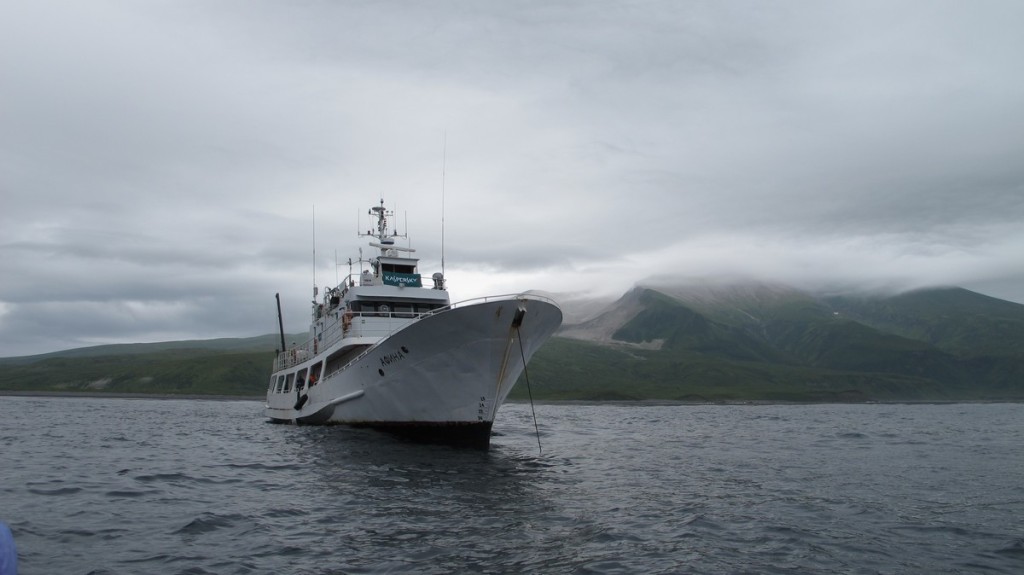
160	161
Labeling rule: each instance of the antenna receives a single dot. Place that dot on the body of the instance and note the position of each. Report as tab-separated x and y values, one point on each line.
444	161
314	253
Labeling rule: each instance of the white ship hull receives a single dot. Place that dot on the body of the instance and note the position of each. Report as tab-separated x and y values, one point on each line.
442	375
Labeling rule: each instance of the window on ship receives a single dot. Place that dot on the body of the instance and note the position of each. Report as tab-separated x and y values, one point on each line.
422	308
402	269
315	373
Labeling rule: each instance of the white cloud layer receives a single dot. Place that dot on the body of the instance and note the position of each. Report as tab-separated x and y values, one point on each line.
159	161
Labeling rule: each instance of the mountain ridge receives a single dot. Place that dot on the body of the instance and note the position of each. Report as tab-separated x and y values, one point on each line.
699	342
942	343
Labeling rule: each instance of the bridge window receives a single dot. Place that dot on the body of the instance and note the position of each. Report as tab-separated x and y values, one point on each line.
402	269
422	308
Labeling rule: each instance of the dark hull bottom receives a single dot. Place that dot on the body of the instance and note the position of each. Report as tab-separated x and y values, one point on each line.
468	435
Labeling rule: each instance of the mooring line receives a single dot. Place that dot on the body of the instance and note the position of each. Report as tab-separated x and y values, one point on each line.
529	391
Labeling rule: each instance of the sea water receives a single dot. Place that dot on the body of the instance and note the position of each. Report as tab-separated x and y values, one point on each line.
100	485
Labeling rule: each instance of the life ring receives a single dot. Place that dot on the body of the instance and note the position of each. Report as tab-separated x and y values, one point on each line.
346	320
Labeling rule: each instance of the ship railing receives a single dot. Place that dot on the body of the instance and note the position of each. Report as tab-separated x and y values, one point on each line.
464	303
381	326
504	297
377	325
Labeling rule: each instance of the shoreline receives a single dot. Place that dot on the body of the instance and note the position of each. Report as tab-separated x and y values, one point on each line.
756	402
125	395
636	402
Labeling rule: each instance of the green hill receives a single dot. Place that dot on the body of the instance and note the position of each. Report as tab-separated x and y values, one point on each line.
262	342
229	366
724	342
188	371
765	342
955	320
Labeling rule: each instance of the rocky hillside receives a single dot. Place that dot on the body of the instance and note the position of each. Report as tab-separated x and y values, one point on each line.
769	341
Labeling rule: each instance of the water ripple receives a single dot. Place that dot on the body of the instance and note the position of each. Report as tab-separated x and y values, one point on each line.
617	489
208	522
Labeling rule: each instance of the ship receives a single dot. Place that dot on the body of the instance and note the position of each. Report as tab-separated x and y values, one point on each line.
386	351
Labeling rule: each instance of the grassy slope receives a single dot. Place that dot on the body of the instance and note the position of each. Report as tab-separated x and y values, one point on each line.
956	320
571	369
184	371
790	346
930	345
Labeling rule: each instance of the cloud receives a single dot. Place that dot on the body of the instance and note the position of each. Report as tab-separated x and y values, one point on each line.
160	162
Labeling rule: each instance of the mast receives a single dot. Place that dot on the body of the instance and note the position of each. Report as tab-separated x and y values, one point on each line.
314	254
280	322
385	240
381	213
444	161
